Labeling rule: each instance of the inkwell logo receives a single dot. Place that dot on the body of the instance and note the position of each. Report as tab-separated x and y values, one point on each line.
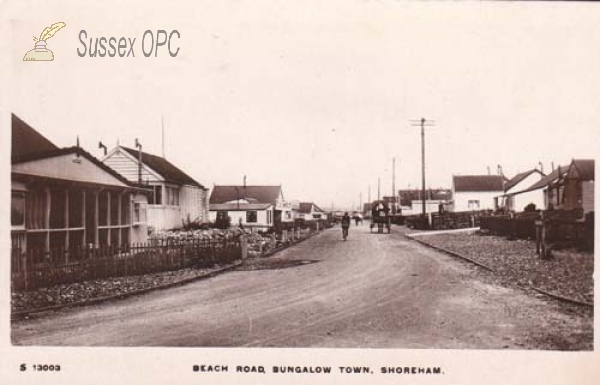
40	52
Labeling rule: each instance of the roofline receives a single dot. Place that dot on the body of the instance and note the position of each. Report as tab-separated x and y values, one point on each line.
81	152
133	158
197	184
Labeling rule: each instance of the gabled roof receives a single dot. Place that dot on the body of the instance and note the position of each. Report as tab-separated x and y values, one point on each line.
82	153
545	181
26	141
165	168
307	207
519	178
262	194
584	168
478	183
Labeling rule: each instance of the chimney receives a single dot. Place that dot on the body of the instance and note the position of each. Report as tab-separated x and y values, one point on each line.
102	146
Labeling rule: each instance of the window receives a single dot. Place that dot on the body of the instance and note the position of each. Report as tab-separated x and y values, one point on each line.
172	196
474	204
103	198
251	217
269	217
317	216
17	209
156	197
139	212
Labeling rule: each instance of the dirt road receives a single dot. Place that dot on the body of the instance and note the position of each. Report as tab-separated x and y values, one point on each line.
373	290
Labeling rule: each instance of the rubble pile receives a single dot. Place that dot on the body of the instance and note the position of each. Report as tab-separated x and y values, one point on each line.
259	244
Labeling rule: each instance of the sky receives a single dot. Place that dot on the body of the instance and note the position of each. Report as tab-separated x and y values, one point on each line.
320	97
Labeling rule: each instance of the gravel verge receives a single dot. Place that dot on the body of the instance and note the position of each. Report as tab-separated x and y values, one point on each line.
81	293
568	274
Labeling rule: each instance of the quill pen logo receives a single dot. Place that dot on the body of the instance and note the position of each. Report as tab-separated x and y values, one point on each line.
40	52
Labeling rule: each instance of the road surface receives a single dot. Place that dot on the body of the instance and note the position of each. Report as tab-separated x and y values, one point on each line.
374	290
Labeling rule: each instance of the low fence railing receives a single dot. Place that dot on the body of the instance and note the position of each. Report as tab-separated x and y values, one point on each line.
33	268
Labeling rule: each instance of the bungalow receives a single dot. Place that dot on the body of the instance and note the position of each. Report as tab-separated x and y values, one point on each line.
579	186
64	198
551	188
476	192
412	203
175	197
517	194
309	211
252	206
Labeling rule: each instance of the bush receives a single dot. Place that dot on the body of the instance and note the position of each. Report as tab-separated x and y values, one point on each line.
223	223
530	207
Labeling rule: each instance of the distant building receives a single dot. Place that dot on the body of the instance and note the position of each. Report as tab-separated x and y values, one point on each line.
175	198
412	203
476	192
64	198
252	206
517	194
309	211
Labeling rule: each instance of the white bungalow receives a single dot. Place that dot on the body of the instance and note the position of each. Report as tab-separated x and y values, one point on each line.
252	206
476	192
517	194
176	197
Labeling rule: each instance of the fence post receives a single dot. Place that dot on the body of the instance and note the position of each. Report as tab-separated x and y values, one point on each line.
538	236
244	247
25	272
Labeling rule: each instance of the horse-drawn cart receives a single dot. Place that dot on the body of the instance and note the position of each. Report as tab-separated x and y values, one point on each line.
380	216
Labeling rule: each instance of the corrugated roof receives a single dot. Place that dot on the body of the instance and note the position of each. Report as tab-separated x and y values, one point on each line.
240	207
519	178
262	194
26	141
585	168
166	169
478	183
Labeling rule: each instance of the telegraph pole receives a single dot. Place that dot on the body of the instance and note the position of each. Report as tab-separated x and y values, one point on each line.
423	123
394	185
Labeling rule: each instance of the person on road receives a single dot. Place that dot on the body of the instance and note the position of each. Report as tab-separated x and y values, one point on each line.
345	225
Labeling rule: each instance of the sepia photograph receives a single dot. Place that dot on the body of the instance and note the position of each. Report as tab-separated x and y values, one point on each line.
220	191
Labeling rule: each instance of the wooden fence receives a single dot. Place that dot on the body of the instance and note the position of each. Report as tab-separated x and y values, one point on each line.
445	221
561	228
37	268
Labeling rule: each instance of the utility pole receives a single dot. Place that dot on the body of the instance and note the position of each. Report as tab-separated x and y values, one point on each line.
369	196
162	125
360	205
378	188
423	123
393	185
